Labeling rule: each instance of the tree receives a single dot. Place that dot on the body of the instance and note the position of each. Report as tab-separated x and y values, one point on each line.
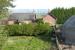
63	14
4	5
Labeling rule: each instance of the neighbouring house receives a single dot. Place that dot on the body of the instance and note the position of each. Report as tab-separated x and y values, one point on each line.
10	22
22	18
3	21
49	19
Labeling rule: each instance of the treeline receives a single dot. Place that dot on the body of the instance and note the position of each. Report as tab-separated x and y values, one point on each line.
62	14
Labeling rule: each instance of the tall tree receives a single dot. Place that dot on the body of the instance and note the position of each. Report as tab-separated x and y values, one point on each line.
4	5
63	14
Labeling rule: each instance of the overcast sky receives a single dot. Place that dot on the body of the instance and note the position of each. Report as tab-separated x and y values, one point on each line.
43	4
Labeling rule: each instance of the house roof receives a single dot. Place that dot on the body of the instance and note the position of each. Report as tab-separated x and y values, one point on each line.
52	15
22	16
49	16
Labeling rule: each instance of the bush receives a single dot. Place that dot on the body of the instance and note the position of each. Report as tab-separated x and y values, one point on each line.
28	29
42	29
39	21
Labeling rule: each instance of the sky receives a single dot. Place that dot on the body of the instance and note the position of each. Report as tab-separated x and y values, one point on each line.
43	4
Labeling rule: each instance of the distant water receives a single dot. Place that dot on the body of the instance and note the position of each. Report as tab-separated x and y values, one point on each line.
30	10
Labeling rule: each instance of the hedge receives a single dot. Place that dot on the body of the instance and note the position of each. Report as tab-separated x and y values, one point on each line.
28	29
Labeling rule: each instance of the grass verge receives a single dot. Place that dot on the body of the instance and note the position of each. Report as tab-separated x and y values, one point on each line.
27	43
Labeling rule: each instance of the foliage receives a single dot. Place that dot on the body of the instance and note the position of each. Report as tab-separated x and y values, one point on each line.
62	14
3	36
39	21
42	28
25	29
28	29
27	43
4	4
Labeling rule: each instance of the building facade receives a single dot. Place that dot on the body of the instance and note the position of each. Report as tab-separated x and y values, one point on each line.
50	20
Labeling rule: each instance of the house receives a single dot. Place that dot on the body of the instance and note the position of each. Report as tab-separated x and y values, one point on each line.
3	21
10	22
22	18
49	19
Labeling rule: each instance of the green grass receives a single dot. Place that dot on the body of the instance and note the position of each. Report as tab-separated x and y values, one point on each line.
3	36
27	43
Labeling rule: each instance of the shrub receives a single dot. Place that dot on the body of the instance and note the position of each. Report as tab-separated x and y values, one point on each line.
39	21
28	29
42	28
24	29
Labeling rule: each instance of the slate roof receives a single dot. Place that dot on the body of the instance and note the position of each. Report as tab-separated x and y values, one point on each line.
22	16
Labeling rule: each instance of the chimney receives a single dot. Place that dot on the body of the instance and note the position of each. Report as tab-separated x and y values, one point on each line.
34	14
48	10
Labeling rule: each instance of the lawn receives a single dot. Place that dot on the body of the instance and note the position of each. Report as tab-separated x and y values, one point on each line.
3	36
27	43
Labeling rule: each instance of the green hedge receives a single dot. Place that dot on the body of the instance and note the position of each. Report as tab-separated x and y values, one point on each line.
28	29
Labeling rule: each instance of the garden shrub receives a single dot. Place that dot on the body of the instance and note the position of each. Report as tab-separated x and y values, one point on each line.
42	28
39	21
28	29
